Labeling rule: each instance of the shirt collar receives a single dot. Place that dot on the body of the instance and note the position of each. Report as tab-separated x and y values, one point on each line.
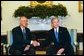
22	28
56	29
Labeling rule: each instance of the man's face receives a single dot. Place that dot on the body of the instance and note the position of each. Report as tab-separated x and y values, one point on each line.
55	23
24	21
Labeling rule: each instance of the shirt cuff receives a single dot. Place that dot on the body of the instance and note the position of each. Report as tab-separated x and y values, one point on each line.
31	42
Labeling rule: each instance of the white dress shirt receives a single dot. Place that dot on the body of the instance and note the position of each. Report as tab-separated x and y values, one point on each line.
56	29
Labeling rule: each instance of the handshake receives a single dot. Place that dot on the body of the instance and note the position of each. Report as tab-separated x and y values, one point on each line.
35	43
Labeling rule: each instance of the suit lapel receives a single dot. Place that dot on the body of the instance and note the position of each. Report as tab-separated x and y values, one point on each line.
27	34
20	31
53	36
60	35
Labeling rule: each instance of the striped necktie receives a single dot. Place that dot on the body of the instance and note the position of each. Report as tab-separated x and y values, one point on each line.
56	35
24	34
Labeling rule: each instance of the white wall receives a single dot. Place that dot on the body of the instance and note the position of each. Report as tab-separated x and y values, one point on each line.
74	21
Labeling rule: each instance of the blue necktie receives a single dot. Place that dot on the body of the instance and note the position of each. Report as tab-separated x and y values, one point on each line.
56	35
24	34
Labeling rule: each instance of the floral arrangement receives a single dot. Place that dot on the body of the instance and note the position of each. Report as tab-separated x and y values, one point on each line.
41	11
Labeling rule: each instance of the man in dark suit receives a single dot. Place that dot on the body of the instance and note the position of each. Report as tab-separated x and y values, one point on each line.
60	39
21	38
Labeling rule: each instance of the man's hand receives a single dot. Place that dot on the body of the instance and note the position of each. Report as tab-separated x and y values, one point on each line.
35	43
60	51
27	48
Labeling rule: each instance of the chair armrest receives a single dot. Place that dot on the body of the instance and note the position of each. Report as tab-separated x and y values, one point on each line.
6	48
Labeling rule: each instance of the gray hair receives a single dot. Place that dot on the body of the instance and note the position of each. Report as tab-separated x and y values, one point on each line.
22	16
54	19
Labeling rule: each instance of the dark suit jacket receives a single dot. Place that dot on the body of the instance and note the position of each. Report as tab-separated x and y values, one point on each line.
18	41
64	41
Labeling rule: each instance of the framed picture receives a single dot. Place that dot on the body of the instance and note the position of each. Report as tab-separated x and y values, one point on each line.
34	3
80	6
